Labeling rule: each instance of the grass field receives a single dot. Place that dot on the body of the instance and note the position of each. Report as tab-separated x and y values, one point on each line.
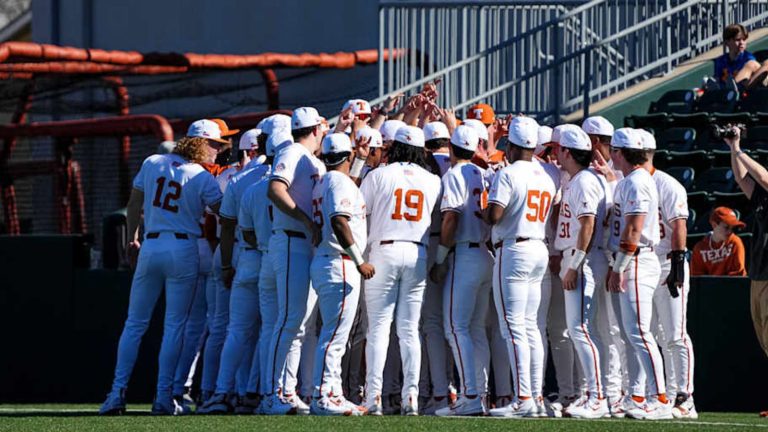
83	418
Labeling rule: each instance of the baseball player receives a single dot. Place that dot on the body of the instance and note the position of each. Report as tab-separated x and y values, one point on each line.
463	256
296	171
519	208
243	308
399	198
375	141
635	272
584	265
436	141
671	304
173	191
336	270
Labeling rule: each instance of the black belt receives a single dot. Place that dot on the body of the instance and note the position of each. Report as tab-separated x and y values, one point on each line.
435	234
249	248
470	245
386	242
289	233
637	251
180	236
500	243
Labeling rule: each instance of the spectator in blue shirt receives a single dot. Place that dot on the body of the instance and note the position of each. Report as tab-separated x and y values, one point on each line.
738	64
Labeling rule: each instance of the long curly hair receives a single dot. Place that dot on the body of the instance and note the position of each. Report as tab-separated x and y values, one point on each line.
192	149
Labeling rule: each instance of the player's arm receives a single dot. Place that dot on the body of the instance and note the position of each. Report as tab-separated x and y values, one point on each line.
493	213
343	233
277	192
133	219
447	240
627	249
583	242
227	244
676	276
249	236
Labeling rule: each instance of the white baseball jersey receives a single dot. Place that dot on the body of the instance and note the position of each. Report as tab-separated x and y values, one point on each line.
176	193
223	178
336	194
636	194
464	192
256	213
300	170
236	186
673	204
583	195
400	198
526	192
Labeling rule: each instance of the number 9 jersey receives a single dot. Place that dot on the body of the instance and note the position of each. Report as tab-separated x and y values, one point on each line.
400	199
175	194
525	190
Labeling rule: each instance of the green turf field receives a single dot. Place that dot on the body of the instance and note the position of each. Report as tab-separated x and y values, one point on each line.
83	418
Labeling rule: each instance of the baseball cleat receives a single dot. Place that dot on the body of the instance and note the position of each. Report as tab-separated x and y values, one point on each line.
410	406
684	407
541	408
332	405
247	404
502	401
651	409
373	406
277	405
301	407
593	408
574	405
464	406
435	404
617	406
517	409
163	406
217	404
115	403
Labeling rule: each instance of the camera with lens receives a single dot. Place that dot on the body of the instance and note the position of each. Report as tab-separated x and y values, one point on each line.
726	131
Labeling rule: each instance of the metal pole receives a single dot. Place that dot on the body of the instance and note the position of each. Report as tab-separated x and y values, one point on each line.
587	63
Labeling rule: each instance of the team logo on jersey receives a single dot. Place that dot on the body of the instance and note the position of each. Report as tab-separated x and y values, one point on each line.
280	167
408	172
345	202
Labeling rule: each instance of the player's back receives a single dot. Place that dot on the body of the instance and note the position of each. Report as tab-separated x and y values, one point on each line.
526	191
175	194
673	204
256	212
636	194
464	192
336	194
400	198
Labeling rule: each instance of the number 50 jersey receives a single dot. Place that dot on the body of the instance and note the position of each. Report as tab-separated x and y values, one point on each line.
175	194
400	198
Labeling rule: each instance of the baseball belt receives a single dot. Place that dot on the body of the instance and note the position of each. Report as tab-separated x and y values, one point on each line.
500	243
180	236
387	242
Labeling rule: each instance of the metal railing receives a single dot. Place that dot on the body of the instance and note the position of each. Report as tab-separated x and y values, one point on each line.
546	58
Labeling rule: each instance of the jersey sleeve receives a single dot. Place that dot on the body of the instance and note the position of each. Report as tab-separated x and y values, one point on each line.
244	214
454	193
501	190
637	200
588	197
229	203
367	189
338	199
210	192
286	166
674	205
138	181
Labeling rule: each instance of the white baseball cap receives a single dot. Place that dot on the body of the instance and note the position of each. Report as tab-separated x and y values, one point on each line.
597	125
410	135
575	138
480	129
336	143
305	117
626	138
647	139
436	130
389	129
373	134
545	136
274	123
166	147
465	137
359	106
556	132
249	139
524	132
206	129
278	140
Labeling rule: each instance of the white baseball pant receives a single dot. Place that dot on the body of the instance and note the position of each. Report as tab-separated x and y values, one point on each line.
502	372
395	291
639	283
672	314
432	321
337	283
518	271
217	325
613	345
291	257
308	350
580	310
268	307
167	262
244	321
563	358
467	286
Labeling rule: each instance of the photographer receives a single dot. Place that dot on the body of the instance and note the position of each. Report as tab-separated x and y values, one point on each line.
753	180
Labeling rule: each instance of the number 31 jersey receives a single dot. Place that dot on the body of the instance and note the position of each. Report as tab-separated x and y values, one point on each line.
525	190
175	194
400	198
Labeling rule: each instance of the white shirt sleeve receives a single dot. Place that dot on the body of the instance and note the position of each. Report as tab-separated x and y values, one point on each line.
588	196
454	193
675	203
138	181
338	199
244	218
501	190
366	187
637	200
286	166
210	191
229	203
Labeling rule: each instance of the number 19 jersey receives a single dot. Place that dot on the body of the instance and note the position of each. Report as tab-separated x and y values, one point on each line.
525	190
175	194
400	198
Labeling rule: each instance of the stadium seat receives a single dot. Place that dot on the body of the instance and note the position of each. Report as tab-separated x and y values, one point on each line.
760	155
761	55
756	100
702	224
691	220
756	138
699	160
677	139
746	238
684	175
718	179
720	101
761	118
674	101
692	239
720	158
697	120
655	121
700	201
735	200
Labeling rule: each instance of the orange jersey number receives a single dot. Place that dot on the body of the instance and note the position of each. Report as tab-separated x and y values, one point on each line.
482	201
538	203
413	200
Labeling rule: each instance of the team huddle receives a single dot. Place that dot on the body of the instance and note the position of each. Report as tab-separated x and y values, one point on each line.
413	263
